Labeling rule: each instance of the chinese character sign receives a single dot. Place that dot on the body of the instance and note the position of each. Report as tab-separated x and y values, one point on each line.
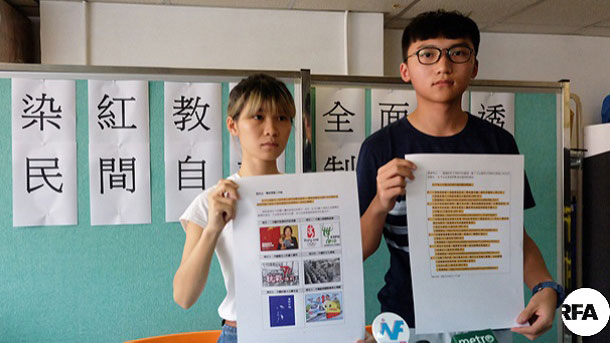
496	108
44	152
390	105
193	142
235	151
119	159
339	127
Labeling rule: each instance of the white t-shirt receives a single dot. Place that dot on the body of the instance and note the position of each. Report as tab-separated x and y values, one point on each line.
197	212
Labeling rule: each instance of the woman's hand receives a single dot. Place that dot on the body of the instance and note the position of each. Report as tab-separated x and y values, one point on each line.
221	204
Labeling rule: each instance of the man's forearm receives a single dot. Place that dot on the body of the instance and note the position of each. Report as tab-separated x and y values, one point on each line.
534	268
371	228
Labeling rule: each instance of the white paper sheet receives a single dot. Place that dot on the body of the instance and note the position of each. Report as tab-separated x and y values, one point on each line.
496	108
465	219
390	105
44	152
119	158
313	292
339	127
193	142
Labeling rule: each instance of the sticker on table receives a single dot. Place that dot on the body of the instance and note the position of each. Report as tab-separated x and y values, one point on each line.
323	307
284	237
331	234
281	310
322	271
312	235
276	274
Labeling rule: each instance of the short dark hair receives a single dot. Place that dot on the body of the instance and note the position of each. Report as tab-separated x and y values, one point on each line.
440	23
257	91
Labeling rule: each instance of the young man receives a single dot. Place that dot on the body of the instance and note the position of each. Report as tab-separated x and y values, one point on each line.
439	53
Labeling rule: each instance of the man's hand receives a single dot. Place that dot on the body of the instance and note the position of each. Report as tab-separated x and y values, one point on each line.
368	338
539	312
391	181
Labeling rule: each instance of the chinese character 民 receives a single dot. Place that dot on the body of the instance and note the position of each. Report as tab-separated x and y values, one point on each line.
37	168
108	118
334	164
493	114
393	113
338	117
187	110
118	180
38	114
191	174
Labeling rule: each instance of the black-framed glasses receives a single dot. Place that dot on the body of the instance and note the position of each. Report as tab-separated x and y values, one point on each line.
431	55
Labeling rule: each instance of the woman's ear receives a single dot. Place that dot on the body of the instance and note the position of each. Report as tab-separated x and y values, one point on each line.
232	126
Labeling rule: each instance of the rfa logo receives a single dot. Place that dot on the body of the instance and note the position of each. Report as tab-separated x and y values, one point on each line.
390	328
585	312
311	231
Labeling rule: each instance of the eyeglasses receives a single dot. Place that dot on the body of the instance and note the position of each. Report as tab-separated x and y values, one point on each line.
430	55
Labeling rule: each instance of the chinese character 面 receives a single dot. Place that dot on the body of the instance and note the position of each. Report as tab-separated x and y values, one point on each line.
107	116
37	168
393	113
191	174
334	164
338	117
40	112
127	167
187	111
493	114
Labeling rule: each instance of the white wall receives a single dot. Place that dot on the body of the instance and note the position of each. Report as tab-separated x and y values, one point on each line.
585	61
199	37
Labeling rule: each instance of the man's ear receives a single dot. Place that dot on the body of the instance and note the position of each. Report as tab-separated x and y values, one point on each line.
404	72
232	126
475	69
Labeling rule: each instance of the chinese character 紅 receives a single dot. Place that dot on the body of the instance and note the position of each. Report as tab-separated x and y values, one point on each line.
338	117
187	110
107	116
39	115
334	164
37	168
191	174
393	113
118	180
494	114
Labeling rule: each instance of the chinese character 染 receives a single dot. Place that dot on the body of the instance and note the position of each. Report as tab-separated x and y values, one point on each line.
338	117
107	116
187	111
41	113
493	114
191	174
393	113
37	168
334	164
127	167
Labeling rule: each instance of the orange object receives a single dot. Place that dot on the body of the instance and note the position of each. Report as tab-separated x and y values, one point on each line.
210	336
369	329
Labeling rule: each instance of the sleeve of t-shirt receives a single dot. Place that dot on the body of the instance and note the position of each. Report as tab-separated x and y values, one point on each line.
196	212
366	173
528	197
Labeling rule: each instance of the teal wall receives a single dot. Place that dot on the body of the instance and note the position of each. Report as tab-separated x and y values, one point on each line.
113	283
86	283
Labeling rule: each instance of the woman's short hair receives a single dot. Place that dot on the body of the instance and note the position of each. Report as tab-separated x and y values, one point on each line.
260	91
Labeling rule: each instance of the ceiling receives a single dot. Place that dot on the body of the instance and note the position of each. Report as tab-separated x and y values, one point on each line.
571	17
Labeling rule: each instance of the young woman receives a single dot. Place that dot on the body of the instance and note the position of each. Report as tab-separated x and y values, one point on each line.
260	114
